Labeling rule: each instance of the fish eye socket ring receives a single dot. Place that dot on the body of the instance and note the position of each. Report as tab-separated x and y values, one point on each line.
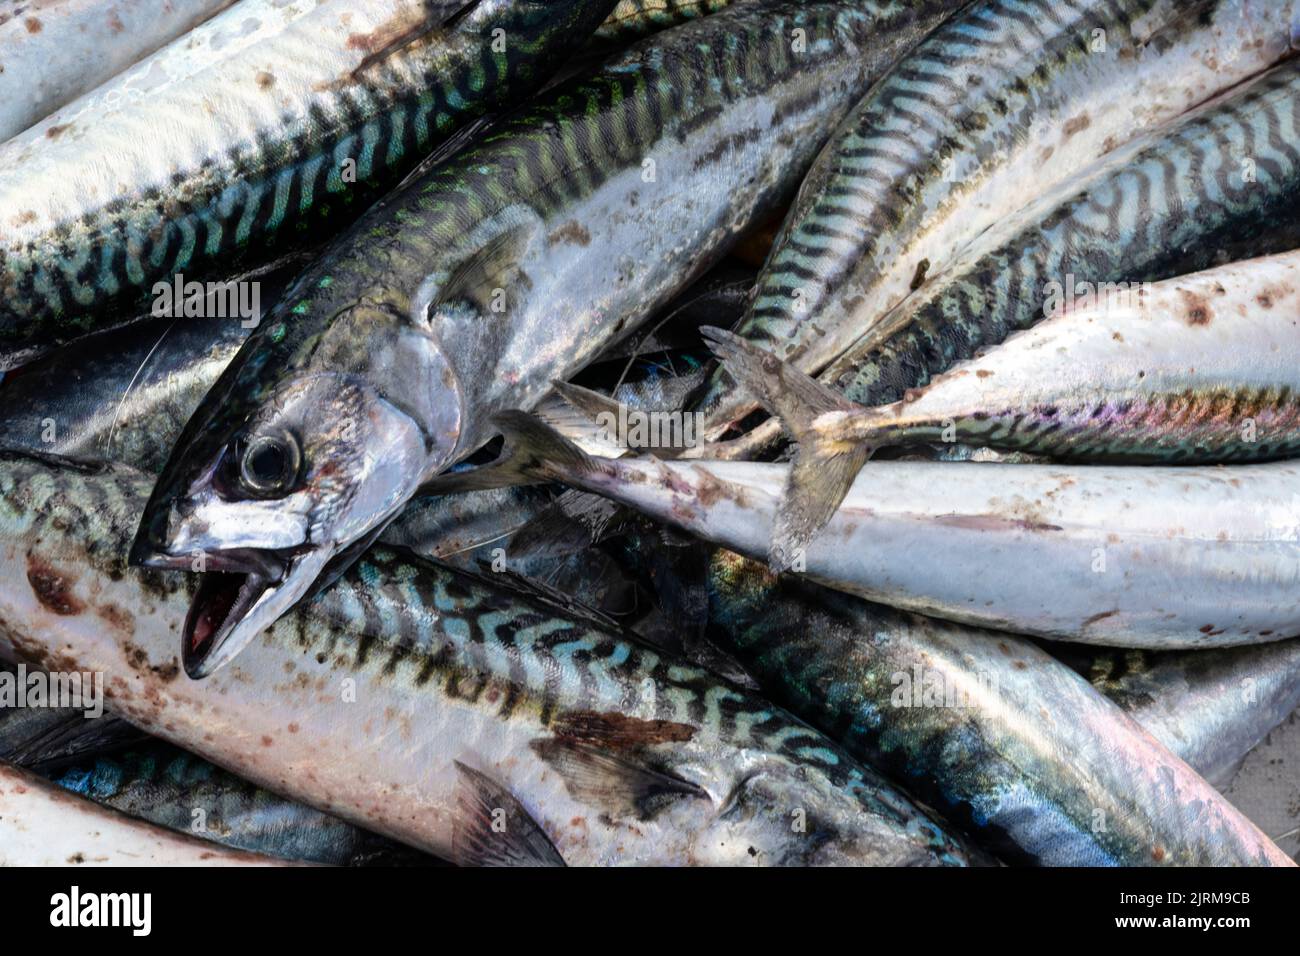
268	464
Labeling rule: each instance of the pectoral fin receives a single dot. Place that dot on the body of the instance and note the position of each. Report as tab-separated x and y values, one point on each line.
621	782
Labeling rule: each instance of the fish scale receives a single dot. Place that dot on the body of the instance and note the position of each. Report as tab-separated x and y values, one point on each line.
252	162
492	679
1170	210
1007	100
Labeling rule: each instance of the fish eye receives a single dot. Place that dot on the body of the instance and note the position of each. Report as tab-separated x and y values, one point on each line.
268	464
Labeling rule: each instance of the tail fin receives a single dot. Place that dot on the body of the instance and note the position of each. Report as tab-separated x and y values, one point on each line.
533	452
824	466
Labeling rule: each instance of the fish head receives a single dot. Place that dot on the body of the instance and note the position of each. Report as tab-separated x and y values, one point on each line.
279	484
787	813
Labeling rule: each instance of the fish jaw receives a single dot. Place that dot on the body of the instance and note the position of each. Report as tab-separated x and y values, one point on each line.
355	459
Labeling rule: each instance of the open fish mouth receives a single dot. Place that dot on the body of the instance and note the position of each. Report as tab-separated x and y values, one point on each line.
240	594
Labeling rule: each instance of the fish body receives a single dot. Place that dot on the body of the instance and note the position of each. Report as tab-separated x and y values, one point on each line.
242	141
412	700
170	788
1193	370
386	359
1187	195
122	395
1211	707
1156	557
1005	102
43	825
986	727
54	52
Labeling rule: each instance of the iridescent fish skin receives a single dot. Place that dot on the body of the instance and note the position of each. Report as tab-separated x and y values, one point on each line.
407	695
44	825
1006	102
1193	370
986	727
118	396
166	786
1210	707
1168	210
1174	202
388	357
634	19
1154	556
54	52
282	123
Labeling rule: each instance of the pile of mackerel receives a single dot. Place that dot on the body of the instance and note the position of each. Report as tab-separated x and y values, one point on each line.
655	432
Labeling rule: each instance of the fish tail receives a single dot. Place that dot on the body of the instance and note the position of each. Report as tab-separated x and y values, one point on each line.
829	457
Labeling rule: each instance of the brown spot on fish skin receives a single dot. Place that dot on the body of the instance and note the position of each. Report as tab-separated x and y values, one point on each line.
137	658
119	618
918	277
54	132
1158	854
400	30
265	80
1196	309
1078	124
1265	300
33	25
1099	617
573	232
52	588
618	731
994	523
115	23
267	741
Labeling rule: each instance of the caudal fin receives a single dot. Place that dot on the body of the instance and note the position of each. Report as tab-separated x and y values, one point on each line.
825	464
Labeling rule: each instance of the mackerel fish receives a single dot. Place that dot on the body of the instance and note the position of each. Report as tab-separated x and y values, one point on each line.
1218	185
1125	556
1193	370
475	287
988	728
410	699
43	825
265	127
1005	102
165	786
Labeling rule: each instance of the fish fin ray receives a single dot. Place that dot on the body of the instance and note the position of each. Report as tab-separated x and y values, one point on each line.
624	784
820	477
493	266
492	828
784	391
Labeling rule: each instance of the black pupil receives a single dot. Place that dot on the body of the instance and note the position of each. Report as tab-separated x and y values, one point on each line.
266	462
